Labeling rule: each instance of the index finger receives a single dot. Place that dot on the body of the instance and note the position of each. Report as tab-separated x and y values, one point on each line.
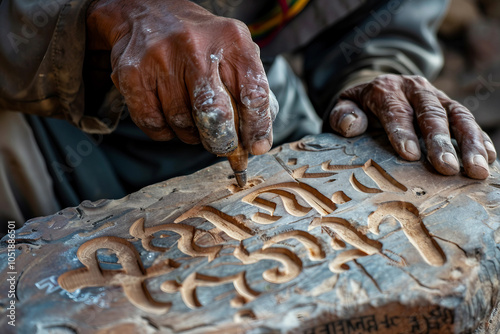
243	73
212	109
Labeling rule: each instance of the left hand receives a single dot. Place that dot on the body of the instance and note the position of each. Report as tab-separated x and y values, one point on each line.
397	100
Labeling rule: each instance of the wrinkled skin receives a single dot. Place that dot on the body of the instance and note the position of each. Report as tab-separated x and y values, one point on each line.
174	62
397	100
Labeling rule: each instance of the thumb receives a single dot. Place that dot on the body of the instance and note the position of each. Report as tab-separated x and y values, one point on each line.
347	119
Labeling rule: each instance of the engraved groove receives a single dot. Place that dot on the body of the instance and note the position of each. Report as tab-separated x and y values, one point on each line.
312	196
409	218
326	166
301	173
349	234
383	179
292	264
244	315
264	218
294	196
291	203
131	278
335	242
361	187
340	197
338	265
235	188
188	288
309	241
186	243
232	226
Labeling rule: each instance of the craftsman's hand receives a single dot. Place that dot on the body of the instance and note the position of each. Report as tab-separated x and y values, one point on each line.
172	61
398	100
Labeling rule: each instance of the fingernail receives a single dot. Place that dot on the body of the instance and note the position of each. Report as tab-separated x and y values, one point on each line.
489	146
261	147
412	148
479	161
346	123
450	160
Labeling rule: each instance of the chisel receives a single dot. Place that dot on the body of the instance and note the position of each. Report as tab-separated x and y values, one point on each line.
238	158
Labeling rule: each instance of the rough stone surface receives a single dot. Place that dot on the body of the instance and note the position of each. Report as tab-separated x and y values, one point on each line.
330	236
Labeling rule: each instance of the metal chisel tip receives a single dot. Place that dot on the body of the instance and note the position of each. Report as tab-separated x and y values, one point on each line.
241	178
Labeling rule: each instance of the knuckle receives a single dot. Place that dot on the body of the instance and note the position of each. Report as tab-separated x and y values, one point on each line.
397	133
419	94
186	40
255	98
206	101
458	110
418	79
384	84
126	70
218	139
214	120
441	140
236	29
127	67
470	140
392	104
258	128
182	35
416	83
378	88
149	121
385	77
180	117
431	111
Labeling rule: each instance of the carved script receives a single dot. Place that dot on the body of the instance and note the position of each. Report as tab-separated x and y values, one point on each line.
327	237
131	278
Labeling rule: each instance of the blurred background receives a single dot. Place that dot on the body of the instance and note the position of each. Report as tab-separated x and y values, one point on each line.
470	38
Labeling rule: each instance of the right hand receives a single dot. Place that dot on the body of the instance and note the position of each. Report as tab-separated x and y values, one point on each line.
172	61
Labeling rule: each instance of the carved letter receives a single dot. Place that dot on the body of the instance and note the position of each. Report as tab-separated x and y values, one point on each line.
413	227
131	278
229	224
290	261
186	243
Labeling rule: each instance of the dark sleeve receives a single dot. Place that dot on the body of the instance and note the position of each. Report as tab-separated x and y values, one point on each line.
42	52
398	36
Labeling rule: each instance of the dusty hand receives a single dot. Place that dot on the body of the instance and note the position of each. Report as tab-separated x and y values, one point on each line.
398	100
172	61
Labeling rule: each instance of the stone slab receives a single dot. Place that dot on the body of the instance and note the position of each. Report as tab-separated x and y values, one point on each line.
330	236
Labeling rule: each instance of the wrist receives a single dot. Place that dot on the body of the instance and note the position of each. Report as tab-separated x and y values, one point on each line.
104	21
